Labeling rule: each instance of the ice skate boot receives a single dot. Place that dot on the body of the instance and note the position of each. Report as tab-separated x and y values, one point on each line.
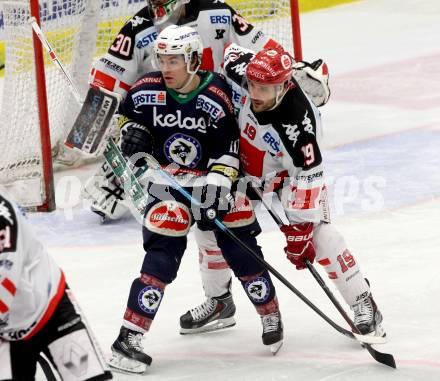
367	317
215	313
272	331
127	352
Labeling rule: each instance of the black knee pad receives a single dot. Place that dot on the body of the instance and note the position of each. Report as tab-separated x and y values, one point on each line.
241	262
163	255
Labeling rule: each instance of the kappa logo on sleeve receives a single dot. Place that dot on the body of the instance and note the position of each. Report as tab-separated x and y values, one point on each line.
8	227
292	132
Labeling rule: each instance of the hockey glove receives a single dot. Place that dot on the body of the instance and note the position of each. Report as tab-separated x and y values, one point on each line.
313	80
300	246
216	201
136	139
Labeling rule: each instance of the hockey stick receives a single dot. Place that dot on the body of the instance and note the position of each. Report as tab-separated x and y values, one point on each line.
54	58
366	341
152	163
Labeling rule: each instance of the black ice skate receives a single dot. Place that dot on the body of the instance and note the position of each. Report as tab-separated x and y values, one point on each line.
215	313
272	331
367	317
128	354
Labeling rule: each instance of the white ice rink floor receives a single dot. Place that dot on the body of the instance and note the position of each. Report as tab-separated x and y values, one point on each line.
382	128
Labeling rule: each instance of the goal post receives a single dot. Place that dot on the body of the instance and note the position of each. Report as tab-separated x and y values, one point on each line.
48	197
37	109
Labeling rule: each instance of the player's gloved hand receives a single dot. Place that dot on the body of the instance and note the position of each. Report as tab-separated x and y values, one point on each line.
313	80
300	246
136	139
216	202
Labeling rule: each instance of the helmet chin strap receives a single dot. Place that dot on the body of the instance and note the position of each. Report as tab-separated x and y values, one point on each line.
191	77
279	97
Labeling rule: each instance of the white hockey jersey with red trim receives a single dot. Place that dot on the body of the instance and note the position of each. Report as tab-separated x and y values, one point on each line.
131	54
280	148
31	283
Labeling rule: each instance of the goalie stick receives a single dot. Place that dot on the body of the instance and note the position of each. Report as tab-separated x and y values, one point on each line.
365	340
93	125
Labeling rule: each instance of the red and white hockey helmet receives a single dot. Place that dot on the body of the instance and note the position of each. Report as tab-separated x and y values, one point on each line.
268	77
270	67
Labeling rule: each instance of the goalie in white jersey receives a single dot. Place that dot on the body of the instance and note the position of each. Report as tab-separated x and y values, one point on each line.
280	147
36	312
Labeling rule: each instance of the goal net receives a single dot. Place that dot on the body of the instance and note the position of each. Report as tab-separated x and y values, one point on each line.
79	31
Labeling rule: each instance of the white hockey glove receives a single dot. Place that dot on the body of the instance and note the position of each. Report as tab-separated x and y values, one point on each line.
313	80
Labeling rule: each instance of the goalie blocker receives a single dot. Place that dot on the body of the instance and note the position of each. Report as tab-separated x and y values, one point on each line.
93	125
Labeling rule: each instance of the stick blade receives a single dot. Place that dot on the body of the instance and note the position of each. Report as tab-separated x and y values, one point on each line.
383	358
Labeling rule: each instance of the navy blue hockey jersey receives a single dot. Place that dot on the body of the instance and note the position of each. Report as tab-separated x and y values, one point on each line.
196	131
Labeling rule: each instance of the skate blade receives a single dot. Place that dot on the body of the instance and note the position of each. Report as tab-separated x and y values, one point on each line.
122	364
210	327
376	337
274	348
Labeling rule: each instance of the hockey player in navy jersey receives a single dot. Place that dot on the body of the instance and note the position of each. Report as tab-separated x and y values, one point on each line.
36	310
184	117
131	56
280	145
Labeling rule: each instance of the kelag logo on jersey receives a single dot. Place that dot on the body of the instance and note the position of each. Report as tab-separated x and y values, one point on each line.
171	120
183	150
210	107
151	97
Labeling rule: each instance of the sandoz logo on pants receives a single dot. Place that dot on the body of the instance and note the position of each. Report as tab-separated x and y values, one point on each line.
151	97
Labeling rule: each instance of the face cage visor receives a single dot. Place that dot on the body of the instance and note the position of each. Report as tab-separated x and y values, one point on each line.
165	13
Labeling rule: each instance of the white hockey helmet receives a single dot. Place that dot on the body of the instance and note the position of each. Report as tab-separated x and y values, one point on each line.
163	11
184	40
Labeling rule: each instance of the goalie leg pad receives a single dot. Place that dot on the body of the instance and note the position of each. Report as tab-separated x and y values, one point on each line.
106	194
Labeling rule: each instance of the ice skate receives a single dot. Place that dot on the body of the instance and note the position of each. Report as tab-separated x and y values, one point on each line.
367	317
127	353
215	313
272	331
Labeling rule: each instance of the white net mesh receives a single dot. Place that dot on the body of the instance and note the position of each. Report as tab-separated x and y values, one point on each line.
78	30
273	17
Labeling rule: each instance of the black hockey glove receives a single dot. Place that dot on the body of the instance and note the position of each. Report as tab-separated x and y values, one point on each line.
216	202
136	139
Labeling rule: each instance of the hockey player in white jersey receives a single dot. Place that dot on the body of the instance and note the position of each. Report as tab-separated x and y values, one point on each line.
184	117
280	145
36	312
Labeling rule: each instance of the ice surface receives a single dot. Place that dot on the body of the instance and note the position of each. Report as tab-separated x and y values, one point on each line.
382	162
